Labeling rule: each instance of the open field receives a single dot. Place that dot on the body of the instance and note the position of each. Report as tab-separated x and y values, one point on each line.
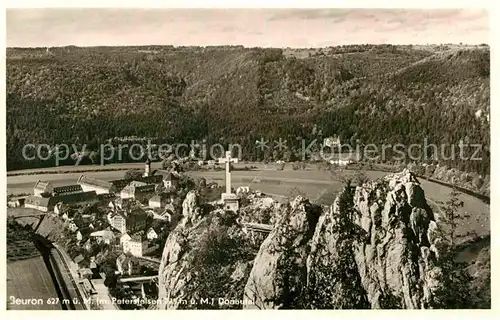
108	167
28	279
20	243
27	273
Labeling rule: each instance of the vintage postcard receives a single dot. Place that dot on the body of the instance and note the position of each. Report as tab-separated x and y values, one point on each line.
259	158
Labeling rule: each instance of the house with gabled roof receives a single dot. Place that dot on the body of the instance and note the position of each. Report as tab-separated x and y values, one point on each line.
44	204
99	186
127	265
88	245
121	204
171	181
140	193
60	208
160	201
83	231
153	233
85	273
137	245
124	239
106	236
154	179
132	220
136	183
42	189
119	184
80	198
122	183
81	261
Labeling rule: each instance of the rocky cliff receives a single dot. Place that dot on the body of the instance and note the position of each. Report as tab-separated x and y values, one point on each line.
278	276
376	246
370	249
205	259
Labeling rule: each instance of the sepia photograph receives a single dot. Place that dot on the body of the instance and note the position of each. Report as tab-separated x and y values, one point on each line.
258	158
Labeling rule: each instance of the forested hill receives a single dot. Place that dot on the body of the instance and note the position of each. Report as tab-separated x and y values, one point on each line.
371	94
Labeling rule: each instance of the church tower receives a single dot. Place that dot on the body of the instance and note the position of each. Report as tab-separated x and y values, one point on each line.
147	168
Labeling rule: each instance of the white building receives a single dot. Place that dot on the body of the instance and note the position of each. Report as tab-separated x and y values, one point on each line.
152	234
340	162
105	236
126	265
137	245
99	186
72	226
158	201
40	203
42	188
124	239
138	191
60	208
331	142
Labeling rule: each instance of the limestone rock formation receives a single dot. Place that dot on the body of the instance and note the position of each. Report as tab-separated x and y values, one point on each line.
332	273
373	248
173	274
261	210
395	263
376	246
204	257
190	208
278	276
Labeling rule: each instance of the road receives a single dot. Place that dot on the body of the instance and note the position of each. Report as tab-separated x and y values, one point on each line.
138	279
72	275
103	296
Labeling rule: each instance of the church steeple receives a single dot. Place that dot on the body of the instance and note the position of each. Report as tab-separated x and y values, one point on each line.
147	168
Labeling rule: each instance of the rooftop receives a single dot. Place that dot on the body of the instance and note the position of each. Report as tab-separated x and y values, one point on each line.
42	184
144	188
161	197
166	175
138	237
94	182
103	234
67	189
39	201
136	183
76	197
79	259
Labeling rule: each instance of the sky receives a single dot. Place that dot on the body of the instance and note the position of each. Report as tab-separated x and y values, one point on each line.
249	27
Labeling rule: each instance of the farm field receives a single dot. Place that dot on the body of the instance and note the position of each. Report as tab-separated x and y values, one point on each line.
28	279
27	274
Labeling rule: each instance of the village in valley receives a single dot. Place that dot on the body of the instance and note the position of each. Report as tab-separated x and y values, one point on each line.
129	218
278	159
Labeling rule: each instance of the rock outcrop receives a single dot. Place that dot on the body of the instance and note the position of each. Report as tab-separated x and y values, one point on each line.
377	246
373	248
172	272
190	209
395	262
204	257
332	273
278	276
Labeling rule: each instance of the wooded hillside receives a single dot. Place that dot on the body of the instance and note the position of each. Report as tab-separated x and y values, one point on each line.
369	94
